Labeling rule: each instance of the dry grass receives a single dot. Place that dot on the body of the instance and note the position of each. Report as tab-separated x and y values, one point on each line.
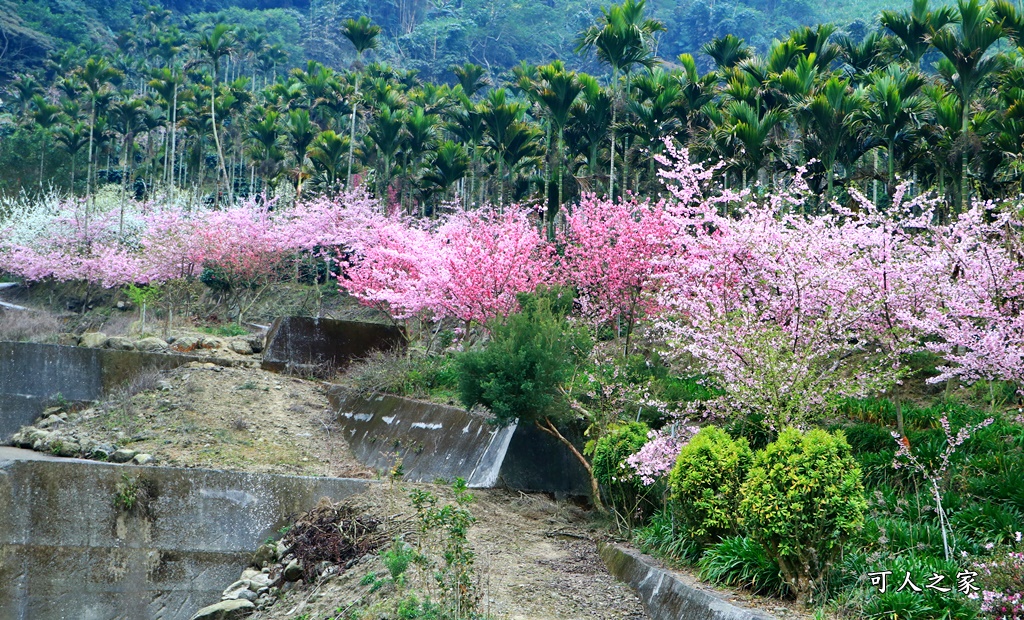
28	326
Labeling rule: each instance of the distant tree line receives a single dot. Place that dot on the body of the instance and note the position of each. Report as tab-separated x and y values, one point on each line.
935	94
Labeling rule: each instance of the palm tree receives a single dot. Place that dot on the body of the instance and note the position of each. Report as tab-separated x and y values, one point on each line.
327	154
165	83
893	111
654	105
916	27
558	90
831	113
591	119
127	118
727	51
72	139
44	116
420	137
97	75
466	123
264	137
499	117
300	132
387	133
363	36
214	45
471	78
966	50
449	164
622	39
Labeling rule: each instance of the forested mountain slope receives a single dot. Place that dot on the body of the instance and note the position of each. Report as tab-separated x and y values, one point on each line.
427	35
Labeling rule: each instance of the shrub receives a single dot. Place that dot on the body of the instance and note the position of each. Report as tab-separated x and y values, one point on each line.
518	375
742	562
705	483
802	499
624	491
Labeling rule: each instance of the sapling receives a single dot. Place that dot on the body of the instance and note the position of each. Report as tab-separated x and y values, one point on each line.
935	474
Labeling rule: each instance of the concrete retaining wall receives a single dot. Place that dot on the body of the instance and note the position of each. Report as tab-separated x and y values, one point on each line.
32	374
664	594
434	441
296	343
66	550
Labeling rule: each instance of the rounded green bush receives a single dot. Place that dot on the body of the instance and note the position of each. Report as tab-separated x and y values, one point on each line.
622	488
705	483
802	499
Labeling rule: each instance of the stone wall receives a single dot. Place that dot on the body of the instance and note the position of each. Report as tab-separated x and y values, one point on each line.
70	549
32	374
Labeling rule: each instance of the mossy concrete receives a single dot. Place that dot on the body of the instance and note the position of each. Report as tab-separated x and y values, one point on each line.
32	375
666	595
308	345
94	541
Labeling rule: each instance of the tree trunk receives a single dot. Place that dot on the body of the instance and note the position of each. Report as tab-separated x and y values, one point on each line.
352	137
548	427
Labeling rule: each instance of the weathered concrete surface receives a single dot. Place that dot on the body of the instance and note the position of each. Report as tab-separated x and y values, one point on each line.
435	441
303	343
67	551
32	374
665	595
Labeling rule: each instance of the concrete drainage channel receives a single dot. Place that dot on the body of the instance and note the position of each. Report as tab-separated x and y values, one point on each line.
665	595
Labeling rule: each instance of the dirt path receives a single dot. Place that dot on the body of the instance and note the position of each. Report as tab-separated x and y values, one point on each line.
536	559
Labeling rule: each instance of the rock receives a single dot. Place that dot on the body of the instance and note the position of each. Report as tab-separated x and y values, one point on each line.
122	455
255	343
101	452
120	343
69	448
264	556
50	422
142	459
293	572
240	346
121	305
185	344
93	340
281	549
238	590
164	385
225	610
249	573
151	344
259	581
210	342
49	411
68	340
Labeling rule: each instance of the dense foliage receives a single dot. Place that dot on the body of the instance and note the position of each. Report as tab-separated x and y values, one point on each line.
705	483
802	499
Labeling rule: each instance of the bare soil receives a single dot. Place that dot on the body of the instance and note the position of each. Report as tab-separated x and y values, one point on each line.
536	559
233	418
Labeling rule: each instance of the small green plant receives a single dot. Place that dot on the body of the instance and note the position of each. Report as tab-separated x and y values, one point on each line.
664	537
742	562
229	330
397	559
705	483
624	491
802	499
449	525
56	447
143	296
126	493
